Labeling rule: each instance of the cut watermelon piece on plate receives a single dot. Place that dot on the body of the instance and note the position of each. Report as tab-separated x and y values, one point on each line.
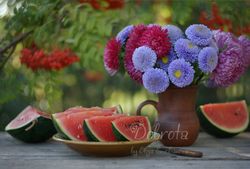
131	128
31	125
224	119
69	123
100	128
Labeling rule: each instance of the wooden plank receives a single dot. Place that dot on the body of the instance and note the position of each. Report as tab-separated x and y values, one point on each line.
120	163
218	153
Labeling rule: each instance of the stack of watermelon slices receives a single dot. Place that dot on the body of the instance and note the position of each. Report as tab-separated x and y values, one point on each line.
100	124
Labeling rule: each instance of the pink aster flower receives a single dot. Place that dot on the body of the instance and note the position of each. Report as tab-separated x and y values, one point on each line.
157	39
230	64
245	42
111	56
131	45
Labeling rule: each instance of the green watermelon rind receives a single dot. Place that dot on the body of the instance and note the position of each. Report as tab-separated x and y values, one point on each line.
42	130
122	137
90	133
60	130
119	109
214	129
118	135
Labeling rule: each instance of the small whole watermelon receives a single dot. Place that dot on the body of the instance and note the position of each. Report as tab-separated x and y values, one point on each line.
31	126
224	119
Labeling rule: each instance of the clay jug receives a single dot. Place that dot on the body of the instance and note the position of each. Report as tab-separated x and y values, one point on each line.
177	121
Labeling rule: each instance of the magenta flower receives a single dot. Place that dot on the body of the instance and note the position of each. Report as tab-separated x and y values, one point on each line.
131	45
245	43
111	56
157	39
230	64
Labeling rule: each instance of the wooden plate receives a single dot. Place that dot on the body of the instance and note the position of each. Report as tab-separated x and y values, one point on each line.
119	148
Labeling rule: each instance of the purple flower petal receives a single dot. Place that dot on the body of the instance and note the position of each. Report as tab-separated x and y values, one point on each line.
124	33
180	73
199	34
174	32
164	62
208	59
187	50
155	80
144	58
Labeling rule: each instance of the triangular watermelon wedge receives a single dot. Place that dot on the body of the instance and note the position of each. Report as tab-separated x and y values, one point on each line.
100	128
132	128
31	125
224	119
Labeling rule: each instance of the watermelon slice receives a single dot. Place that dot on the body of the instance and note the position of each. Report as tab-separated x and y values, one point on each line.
224	119
31	125
100	128
69	123
131	128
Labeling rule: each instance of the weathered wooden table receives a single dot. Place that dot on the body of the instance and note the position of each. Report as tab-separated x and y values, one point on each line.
218	153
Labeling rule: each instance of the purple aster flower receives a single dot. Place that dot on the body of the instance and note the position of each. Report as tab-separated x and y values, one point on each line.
164	62
124	33
208	59
180	73
155	80
230	64
199	34
187	50
214	45
174	32
144	58
245	43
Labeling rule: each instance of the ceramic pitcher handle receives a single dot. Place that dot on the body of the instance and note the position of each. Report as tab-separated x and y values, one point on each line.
147	102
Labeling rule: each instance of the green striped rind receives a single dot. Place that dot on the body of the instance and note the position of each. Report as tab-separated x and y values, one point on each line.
60	130
119	136
90	133
119	109
42	130
214	129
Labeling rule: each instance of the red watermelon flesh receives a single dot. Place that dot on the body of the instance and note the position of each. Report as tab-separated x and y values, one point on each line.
26	116
77	109
132	128
233	116
100	128
71	124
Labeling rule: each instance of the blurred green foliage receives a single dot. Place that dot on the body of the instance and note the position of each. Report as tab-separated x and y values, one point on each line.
58	23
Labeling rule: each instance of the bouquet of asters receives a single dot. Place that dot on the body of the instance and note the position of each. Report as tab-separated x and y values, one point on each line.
161	56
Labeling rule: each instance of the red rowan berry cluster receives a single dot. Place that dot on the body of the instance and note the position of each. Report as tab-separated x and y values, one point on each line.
216	21
35	58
